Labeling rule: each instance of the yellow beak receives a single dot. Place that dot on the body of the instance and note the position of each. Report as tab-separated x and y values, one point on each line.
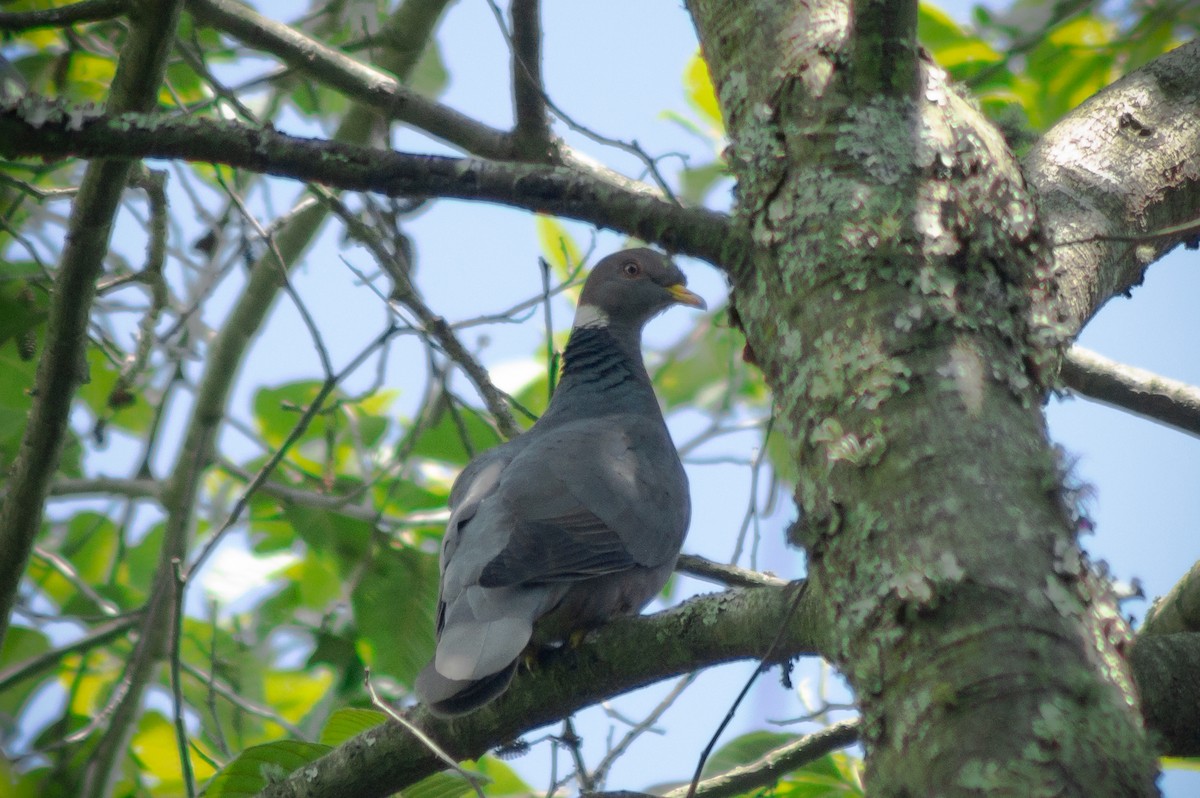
683	296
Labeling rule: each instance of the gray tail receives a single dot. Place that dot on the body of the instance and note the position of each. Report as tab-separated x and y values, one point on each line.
450	697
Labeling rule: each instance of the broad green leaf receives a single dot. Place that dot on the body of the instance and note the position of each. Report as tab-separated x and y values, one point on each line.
140	562
706	371
261	765
443	441
394	607
697	181
744	750
950	45
502	779
88	77
14	401
345	538
350	722
20	644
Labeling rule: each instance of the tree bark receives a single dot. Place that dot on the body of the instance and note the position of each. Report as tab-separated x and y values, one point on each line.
899	298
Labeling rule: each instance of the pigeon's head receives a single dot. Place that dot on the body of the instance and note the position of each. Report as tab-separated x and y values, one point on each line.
630	287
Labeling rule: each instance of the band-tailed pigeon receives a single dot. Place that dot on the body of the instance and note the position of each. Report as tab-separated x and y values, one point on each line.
577	520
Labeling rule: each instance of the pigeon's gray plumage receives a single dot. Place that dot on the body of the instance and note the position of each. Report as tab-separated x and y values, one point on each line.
579	519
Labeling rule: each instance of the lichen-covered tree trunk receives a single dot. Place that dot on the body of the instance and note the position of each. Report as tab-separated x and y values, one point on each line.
899	300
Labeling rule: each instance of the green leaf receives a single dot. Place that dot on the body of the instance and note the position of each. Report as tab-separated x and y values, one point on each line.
440	785
394	607
697	181
261	765
347	539
744	750
155	749
350	722
502	779
443	441
20	644
705	370
835	775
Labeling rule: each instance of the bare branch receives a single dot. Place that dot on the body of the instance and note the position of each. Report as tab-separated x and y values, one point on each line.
1166	401
532	129
721	574
737	624
73	14
557	190
1178	611
1121	164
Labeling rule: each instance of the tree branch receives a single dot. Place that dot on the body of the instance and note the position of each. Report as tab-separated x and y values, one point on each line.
135	88
409	29
73	14
1125	162
1179	610
769	768
360	82
30	128
1166	401
1164	667
532	129
737	624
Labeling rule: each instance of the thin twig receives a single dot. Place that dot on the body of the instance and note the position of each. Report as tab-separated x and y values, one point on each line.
98	636
282	265
298	430
177	704
723	574
406	294
600	773
472	778
761	667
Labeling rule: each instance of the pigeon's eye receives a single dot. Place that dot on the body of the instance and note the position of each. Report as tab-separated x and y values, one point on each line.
631	269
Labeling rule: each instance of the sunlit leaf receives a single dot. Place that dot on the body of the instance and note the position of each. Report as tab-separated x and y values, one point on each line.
350	722
502	779
156	749
293	694
261	765
698	88
558	248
